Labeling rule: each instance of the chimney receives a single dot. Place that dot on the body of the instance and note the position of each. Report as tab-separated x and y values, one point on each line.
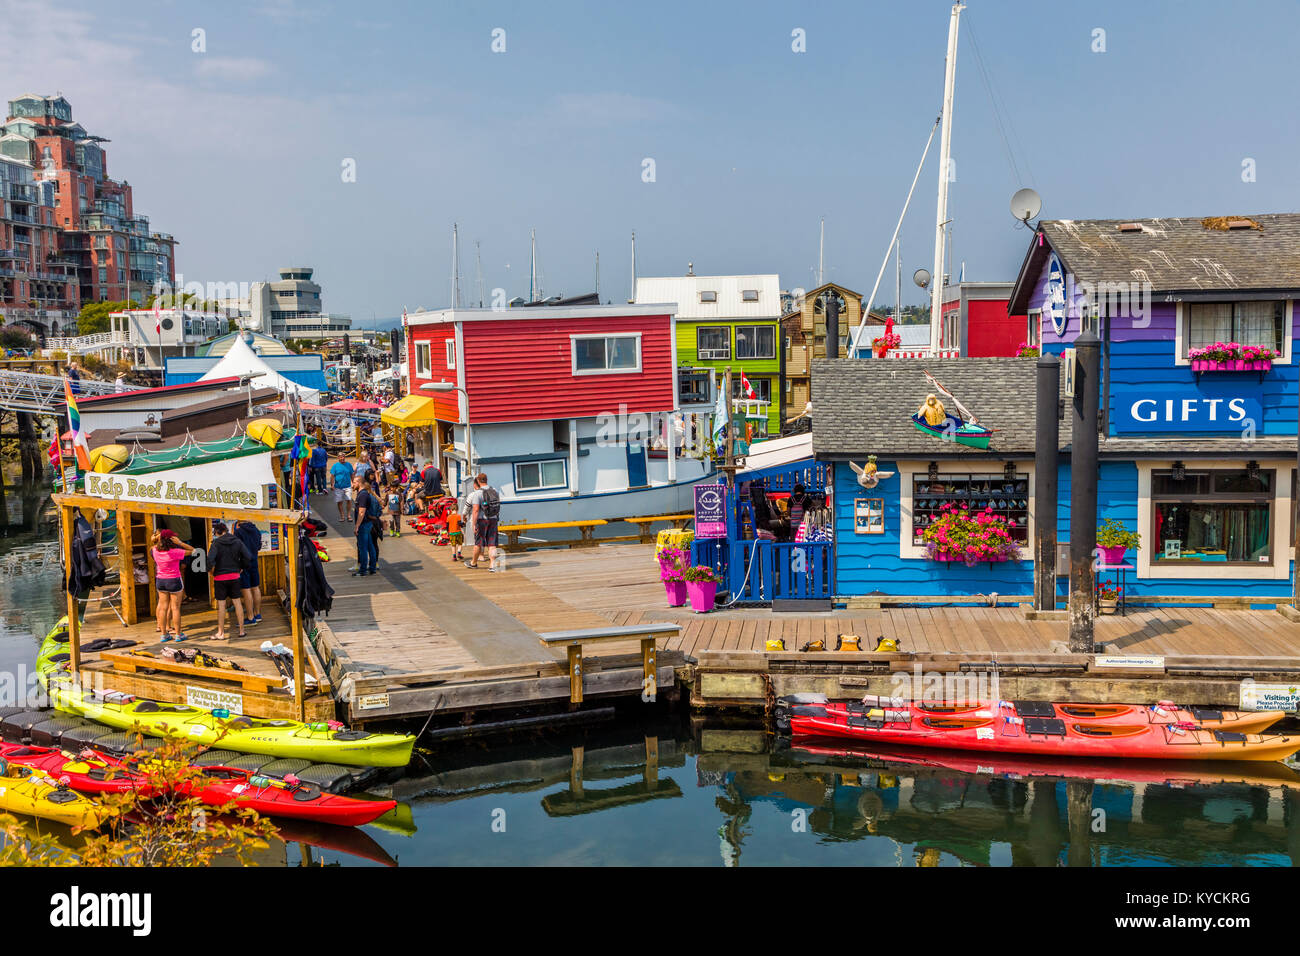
690	268
832	325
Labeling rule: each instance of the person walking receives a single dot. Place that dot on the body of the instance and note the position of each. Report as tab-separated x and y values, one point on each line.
250	582
227	559
485	505
168	551
364	465
342	473
393	506
366	526
455	524
316	465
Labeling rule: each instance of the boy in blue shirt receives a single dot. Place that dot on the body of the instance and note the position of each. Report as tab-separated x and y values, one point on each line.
316	465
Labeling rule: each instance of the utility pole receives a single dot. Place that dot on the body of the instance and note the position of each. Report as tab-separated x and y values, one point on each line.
1083	492
945	156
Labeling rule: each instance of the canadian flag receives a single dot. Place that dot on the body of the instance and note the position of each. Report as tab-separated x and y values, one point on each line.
157	316
746	388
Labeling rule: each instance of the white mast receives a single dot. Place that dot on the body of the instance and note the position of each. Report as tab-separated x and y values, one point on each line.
598	277
821	256
945	155
533	291
898	282
632	297
455	268
478	272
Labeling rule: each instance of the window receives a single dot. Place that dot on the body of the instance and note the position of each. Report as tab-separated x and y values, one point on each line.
713	343
749	295
1259	323
708	297
694	386
1034	329
762	389
539	475
755	342
422	359
451	353
595	354
1008	498
1212	517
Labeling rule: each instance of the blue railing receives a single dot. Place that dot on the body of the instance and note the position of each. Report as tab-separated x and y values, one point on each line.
761	571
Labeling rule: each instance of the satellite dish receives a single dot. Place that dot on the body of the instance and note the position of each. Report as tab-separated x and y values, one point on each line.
921	277
1025	204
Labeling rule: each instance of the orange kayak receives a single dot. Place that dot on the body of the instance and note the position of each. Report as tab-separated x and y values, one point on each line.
1031	727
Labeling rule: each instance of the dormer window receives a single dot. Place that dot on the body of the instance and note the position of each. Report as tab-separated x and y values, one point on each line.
708	297
749	295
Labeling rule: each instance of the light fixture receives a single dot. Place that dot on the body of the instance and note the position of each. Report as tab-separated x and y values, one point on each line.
1252	470
1179	472
934	471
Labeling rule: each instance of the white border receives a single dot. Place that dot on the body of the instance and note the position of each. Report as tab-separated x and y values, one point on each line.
427	370
730	349
1180	333
752	358
539	462
573	353
907	470
1280	569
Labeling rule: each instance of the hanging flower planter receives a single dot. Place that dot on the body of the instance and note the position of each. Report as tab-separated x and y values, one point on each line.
969	537
1231	357
1231	365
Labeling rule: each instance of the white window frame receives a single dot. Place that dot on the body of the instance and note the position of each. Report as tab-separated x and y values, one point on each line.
1282	493
712	355
604	336
1180	335
423	359
713	297
539	463
1034	328
908	470
757	358
451	353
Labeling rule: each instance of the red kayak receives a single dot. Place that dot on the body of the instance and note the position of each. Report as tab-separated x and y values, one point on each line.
1161	714
87	772
1031	727
287	798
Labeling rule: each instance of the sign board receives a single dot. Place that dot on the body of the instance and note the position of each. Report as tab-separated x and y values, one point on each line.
710	511
233	483
868	515
1143	662
1056	294
206	699
1270	696
1218	407
372	702
1070	359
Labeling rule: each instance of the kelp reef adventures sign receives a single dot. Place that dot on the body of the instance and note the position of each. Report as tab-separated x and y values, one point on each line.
234	483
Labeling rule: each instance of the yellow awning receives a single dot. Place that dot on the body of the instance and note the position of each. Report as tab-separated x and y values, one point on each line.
411	412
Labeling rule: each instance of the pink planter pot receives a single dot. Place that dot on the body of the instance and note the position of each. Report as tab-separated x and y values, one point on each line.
1113	555
702	594
946	556
676	591
1231	365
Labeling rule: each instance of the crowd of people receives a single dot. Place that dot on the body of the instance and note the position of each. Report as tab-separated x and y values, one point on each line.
233	563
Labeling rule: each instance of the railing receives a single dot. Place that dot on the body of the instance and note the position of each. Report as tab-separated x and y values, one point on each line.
760	571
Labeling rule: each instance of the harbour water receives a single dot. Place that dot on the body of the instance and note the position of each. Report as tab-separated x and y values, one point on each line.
674	792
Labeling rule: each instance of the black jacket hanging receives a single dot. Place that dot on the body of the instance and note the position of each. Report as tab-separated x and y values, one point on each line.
85	569
315	596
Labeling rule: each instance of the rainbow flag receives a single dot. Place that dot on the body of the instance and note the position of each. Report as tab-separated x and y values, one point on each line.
80	447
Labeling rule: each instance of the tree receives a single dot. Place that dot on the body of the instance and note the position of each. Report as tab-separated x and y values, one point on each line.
93	318
14	337
159	823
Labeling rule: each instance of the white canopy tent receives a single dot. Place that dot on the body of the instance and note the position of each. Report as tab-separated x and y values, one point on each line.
241	360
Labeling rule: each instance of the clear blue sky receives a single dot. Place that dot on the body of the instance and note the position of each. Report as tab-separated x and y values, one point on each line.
238	150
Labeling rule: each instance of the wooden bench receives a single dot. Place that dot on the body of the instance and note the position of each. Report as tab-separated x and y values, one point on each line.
647	634
585	528
131	663
645	537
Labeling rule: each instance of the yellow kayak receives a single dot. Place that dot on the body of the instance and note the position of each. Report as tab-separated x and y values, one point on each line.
320	743
25	791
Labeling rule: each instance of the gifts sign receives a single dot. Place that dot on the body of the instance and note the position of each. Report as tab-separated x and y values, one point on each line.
710	511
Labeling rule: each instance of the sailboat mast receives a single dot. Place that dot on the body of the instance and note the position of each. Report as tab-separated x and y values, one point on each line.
821	256
455	267
532	266
598	277
898	282
945	156
632	295
478	272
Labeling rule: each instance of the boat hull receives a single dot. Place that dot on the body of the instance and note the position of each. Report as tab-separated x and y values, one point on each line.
955	430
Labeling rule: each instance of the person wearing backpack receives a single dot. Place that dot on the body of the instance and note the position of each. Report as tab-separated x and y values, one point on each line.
485	511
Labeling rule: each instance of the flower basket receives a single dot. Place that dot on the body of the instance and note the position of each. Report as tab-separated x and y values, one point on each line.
676	591
1231	365
1231	357
1112	556
954	556
968	537
702	594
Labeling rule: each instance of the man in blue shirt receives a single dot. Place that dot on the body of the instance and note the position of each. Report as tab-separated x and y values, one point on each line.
341	472
316	465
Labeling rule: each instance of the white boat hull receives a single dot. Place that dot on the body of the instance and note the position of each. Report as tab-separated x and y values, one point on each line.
665	499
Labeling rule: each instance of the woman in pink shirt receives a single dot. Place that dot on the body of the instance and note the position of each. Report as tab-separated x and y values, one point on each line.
168	551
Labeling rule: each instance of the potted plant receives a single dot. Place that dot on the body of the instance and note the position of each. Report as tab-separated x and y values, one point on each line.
1231	357
702	586
960	534
672	562
882	344
1114	538
1108	597
1027	351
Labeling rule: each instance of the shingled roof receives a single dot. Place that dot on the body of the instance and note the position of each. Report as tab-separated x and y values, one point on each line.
1183	255
864	406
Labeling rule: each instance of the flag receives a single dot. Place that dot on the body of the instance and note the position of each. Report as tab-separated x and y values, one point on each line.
80	446
746	388
719	412
157	317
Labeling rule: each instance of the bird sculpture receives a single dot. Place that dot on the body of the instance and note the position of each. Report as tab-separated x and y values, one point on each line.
870	476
